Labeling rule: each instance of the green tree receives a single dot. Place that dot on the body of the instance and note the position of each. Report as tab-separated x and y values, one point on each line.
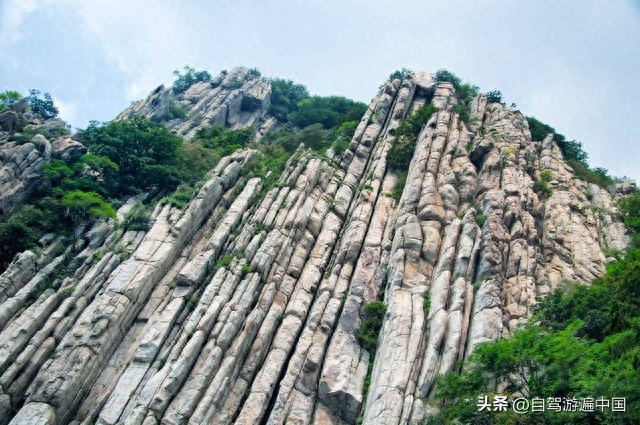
372	318
285	96
330	111
188	78
8	98
86	205
144	152
403	146
42	105
494	96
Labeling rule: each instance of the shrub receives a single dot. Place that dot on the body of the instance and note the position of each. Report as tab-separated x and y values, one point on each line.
180	198
367	333
330	111
443	75
480	219
494	96
546	176
224	141
176	110
399	75
542	188
463	112
571	149
8	98
41	105
146	153
246	269
398	187
189	78
15	237
138	219
598	175
347	129
285	96
403	146
87	205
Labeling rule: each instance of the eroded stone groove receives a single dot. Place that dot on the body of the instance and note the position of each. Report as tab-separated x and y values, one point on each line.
243	307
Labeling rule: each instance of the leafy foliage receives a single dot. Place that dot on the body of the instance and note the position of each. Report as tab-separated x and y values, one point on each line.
188	78
399	74
443	75
146	153
42	105
598	175
8	98
223	140
313	136
572	152
403	146
367	333
285	96
330	111
584	341
465	92
494	96
81	205
542	188
630	210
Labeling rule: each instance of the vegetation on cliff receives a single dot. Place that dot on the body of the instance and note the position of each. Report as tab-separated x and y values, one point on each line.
583	342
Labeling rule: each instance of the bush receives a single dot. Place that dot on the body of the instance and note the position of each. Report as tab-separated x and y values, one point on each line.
571	149
629	207
542	188
180	198
546	176
15	237
443	75
285	96
330	111
138	219
41	105
176	111
403	146
367	333
494	96
146	153
189	78
399	75
223	140
598	175
8	98
465	92
86	205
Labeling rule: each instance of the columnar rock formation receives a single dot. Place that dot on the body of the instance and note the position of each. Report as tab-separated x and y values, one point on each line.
243	307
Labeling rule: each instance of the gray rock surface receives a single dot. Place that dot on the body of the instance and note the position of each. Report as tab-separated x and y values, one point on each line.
243	308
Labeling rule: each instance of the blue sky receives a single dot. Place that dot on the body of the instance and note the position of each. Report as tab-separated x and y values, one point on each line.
572	64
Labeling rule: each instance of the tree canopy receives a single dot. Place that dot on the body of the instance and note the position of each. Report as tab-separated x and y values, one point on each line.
584	341
146	153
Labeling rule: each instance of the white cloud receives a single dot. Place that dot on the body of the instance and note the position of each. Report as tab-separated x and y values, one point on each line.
145	39
68	111
13	14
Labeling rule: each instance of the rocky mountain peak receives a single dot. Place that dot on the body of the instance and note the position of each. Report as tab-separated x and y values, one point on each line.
233	99
443	220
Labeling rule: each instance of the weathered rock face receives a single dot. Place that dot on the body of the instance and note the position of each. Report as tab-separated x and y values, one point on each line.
21	160
234	99
243	308
20	166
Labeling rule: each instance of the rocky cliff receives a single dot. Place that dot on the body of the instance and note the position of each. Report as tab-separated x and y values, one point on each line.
244	306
